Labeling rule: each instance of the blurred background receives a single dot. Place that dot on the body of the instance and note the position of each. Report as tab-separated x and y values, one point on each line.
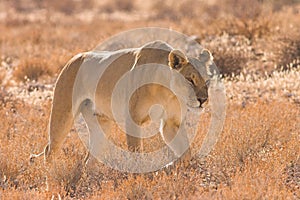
258	34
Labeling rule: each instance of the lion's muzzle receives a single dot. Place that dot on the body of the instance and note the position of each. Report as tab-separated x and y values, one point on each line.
202	101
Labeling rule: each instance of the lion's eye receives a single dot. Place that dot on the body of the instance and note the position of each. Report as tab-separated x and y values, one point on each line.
192	81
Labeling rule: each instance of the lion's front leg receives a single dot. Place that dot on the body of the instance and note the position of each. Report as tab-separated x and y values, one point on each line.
134	143
176	138
133	139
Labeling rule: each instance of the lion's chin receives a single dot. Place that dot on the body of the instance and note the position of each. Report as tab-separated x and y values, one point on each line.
197	105
194	104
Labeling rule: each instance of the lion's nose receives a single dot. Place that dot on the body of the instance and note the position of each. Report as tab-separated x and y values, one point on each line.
202	100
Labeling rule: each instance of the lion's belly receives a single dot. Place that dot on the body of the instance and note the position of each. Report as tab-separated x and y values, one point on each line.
126	99
138	104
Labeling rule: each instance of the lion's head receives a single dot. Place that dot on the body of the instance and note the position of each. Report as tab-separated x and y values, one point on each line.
194	86
190	78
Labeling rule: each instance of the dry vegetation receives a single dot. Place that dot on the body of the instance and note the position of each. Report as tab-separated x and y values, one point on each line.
257	47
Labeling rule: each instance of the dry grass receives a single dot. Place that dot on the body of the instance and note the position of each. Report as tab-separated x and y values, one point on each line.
256	150
32	69
118	5
257	155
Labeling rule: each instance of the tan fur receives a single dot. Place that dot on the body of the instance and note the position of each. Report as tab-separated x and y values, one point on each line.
193	88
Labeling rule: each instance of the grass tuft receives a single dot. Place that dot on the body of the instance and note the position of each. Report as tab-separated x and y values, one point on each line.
32	69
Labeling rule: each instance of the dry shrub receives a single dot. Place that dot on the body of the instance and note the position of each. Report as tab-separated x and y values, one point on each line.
69	7
278	5
174	184
2	76
248	18
163	10
23	123
231	53
32	69
24	5
289	52
229	62
293	177
250	28
252	134
243	9
192	11
253	148
258	180
27	125
4	96
118	5
68	174
12	193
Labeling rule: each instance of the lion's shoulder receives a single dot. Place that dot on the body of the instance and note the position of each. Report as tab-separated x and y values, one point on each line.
153	52
157	44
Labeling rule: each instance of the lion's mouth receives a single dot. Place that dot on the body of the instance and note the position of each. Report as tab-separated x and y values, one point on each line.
199	103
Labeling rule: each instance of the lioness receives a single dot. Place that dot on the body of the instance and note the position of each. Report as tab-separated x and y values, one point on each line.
192	88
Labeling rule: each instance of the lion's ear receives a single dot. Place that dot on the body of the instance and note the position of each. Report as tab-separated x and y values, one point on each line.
205	56
177	59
